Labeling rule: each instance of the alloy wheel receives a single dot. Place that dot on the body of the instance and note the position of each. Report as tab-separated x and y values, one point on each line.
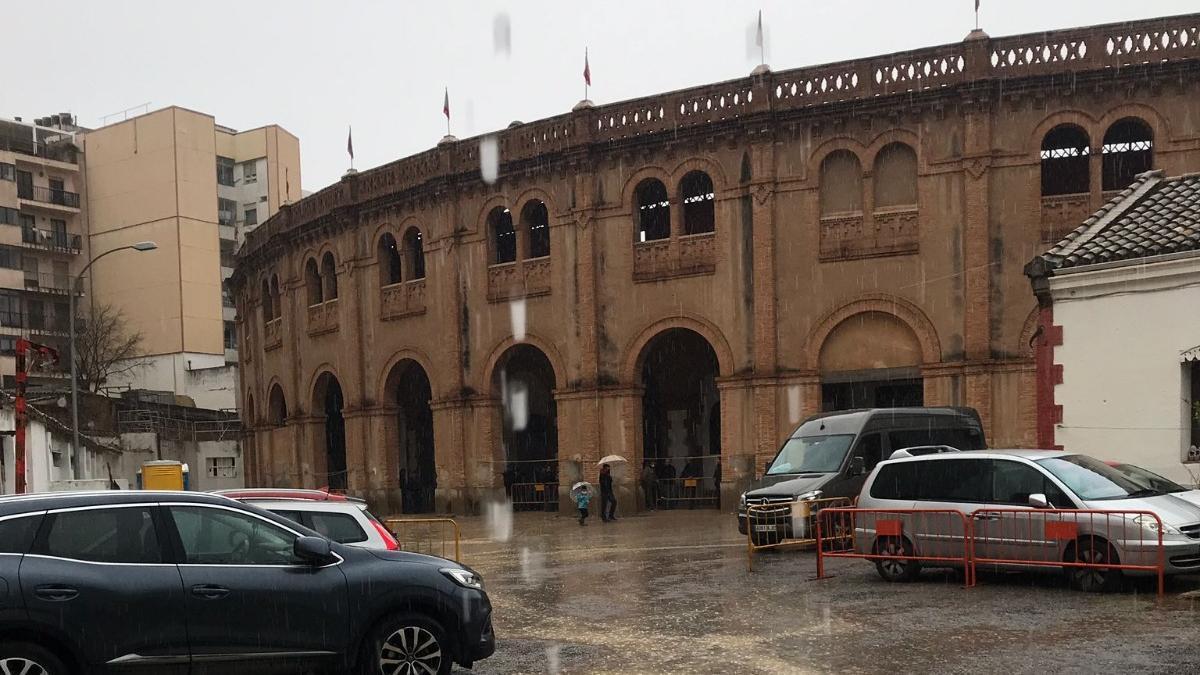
21	666
892	566
1090	577
411	650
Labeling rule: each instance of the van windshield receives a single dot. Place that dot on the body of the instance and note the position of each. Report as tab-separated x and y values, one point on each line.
1092	479
811	454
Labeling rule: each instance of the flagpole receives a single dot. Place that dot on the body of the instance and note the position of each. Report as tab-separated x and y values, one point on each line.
762	42
585	80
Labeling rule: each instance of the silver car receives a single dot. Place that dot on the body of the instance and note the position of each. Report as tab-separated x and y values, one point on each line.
1009	497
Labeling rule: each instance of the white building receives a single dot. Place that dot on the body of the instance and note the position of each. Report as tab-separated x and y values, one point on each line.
51	464
1119	341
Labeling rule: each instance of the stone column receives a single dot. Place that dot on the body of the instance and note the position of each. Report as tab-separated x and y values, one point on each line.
765	337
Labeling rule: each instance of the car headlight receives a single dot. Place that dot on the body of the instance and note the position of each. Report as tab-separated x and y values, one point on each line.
809	496
1151	523
743	499
464	578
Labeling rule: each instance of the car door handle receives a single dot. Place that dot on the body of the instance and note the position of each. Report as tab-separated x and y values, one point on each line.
209	591
56	593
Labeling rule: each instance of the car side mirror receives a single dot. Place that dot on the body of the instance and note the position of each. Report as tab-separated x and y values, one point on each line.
1038	501
858	466
312	550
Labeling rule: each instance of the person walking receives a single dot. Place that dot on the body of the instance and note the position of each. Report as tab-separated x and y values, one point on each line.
650	486
582	499
608	498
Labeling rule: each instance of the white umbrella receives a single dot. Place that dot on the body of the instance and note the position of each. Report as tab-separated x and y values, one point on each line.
581	486
612	459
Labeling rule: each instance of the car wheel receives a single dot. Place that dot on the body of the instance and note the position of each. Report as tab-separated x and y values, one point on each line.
23	658
1095	551
407	644
892	569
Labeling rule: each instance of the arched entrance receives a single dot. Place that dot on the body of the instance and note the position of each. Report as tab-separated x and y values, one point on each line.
681	411
329	402
409	390
871	359
524	382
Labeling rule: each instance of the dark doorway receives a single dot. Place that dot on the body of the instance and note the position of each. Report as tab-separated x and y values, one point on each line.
525	383
335	435
414	427
872	394
681	418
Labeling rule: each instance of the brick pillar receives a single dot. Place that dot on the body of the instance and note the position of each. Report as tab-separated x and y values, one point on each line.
765	337
1048	376
977	258
357	441
309	449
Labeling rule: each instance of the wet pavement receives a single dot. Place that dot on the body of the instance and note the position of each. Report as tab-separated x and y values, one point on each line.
670	592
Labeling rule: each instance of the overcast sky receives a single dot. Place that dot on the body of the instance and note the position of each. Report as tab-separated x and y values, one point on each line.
315	67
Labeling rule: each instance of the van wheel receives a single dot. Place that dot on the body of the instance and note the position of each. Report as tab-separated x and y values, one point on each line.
24	658
1094	551
892	569
406	644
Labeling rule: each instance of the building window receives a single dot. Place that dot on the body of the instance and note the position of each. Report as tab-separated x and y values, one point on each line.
895	176
268	302
221	467
10	258
58	229
1194	444
276	300
250	172
329	280
8	172
536	221
224	171
389	260
230	335
504	237
653	210
9	216
250	216
1127	151
841	183
312	282
699	210
226	211
414	253
1065	161
8	345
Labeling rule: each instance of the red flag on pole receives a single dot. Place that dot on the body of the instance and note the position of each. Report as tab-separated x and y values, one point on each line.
446	104
587	69
350	142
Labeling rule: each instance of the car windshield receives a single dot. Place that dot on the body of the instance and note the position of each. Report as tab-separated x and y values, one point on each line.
811	454
1092	479
1149	479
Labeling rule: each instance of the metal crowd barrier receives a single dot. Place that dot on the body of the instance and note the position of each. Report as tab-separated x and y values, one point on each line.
688	493
785	524
1001	537
534	496
427	535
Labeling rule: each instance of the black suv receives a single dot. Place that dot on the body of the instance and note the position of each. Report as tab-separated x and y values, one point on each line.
176	582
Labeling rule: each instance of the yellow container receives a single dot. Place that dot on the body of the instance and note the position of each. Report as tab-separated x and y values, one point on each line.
162	475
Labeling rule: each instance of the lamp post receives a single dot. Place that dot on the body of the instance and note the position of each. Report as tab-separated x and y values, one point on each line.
75	289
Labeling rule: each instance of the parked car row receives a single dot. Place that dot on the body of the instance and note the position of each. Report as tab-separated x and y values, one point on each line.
179	582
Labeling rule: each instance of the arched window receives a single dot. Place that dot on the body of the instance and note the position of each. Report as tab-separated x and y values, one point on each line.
1128	150
841	183
329	277
312	282
389	260
536	221
1065	170
653	210
276	407
268	305
504	237
276	299
895	176
414	253
699	203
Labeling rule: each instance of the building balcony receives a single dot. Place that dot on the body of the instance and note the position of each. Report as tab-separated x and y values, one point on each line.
35	324
45	196
273	332
406	298
684	256
46	282
887	231
48	240
519	279
323	318
1063	213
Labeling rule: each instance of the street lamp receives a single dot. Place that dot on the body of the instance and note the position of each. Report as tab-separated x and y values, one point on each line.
139	246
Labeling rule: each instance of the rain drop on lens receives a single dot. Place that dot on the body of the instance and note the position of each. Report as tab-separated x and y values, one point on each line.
489	159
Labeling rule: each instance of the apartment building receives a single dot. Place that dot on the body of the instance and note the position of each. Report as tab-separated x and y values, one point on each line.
42	226
194	187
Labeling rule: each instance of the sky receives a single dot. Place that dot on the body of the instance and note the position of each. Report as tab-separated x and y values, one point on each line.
316	68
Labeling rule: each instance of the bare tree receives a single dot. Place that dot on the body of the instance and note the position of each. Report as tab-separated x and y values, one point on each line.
105	346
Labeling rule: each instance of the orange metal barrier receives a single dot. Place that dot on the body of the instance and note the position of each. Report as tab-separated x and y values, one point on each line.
920	535
427	535
785	524
1101	541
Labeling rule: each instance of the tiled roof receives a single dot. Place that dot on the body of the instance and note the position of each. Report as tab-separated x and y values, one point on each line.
1153	216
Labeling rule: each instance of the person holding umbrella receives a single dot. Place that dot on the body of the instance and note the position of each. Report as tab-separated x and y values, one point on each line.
582	492
608	498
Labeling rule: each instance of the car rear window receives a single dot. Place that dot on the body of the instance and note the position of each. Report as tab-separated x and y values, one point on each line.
118	535
339	527
935	480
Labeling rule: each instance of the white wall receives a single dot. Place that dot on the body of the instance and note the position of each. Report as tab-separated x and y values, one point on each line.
1124	393
42	474
205	378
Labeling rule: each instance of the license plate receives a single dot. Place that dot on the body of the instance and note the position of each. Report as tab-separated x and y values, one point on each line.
764	528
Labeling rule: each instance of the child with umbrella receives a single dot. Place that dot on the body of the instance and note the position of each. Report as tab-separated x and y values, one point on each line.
582	492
